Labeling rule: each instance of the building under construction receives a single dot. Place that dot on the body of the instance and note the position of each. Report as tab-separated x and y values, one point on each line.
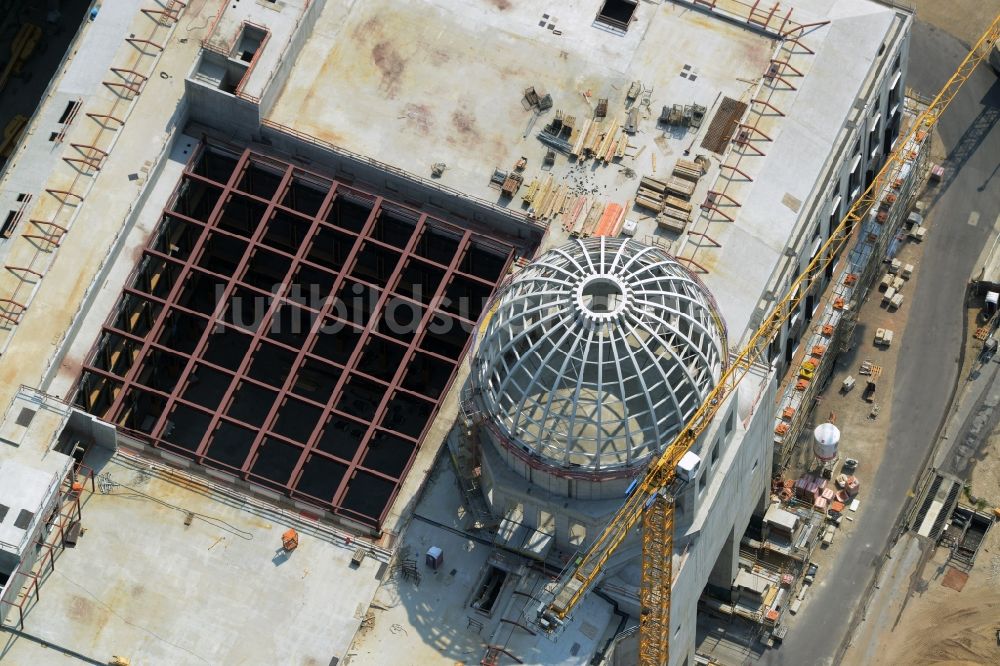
431	283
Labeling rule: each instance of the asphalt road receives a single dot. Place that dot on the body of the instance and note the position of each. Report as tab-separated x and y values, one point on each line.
931	346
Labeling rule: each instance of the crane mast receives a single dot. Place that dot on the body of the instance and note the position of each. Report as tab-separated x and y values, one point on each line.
649	498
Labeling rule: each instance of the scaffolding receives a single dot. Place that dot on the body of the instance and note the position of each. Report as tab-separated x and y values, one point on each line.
62	528
833	330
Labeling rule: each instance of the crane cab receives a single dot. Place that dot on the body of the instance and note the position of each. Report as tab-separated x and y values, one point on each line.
688	466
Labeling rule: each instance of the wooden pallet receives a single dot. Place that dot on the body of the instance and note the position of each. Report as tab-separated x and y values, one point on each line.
687	170
680	187
982	333
871	369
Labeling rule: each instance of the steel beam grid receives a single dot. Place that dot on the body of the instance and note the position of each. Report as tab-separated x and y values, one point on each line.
187	266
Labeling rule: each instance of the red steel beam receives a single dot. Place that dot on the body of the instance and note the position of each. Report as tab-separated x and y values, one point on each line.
744	143
21	269
397	378
767	104
713	195
168	14
48	223
713	207
54	240
792	40
277	343
135	40
81	147
736	170
64	193
244	366
712	241
785	63
156	329
784	21
103	116
692	262
774	76
169	302
801	27
753	128
89	162
253	244
350	364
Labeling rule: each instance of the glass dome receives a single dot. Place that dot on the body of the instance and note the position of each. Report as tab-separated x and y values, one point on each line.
596	355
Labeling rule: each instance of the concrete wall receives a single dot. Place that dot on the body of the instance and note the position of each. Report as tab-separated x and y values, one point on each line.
556	482
824	209
717	513
574	521
37	531
238	117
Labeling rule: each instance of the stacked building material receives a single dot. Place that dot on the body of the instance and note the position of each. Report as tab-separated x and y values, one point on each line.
809	488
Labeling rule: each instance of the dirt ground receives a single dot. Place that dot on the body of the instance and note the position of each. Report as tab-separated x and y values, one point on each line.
937	625
965	19
941	626
931	623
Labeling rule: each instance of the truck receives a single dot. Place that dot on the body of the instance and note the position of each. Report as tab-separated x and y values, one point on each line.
995	58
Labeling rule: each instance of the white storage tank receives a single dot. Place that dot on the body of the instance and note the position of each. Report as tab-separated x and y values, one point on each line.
826	438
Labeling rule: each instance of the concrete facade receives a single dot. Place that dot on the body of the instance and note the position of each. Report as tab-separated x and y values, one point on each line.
869	133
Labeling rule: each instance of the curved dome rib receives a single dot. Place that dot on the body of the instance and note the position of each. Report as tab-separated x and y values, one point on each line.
597	353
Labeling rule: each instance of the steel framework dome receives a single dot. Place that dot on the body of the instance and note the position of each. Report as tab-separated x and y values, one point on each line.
596	355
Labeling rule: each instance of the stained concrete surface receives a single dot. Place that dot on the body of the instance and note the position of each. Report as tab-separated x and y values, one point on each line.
431	620
141	583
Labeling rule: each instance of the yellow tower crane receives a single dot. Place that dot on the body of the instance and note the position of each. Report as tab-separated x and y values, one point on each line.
651	498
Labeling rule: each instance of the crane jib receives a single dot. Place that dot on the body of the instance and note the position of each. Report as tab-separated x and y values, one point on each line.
642	493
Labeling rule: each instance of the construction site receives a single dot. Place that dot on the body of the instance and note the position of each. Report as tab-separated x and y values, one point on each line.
460	332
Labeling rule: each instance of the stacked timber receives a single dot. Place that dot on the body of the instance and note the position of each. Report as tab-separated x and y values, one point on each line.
670	198
651	193
680	187
688	170
670	223
548	201
529	196
573	216
611	220
593	217
603	142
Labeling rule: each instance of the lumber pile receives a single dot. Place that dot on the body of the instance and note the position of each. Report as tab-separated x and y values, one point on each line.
545	199
594	139
680	187
651	193
611	220
572	216
670	198
593	217
688	170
